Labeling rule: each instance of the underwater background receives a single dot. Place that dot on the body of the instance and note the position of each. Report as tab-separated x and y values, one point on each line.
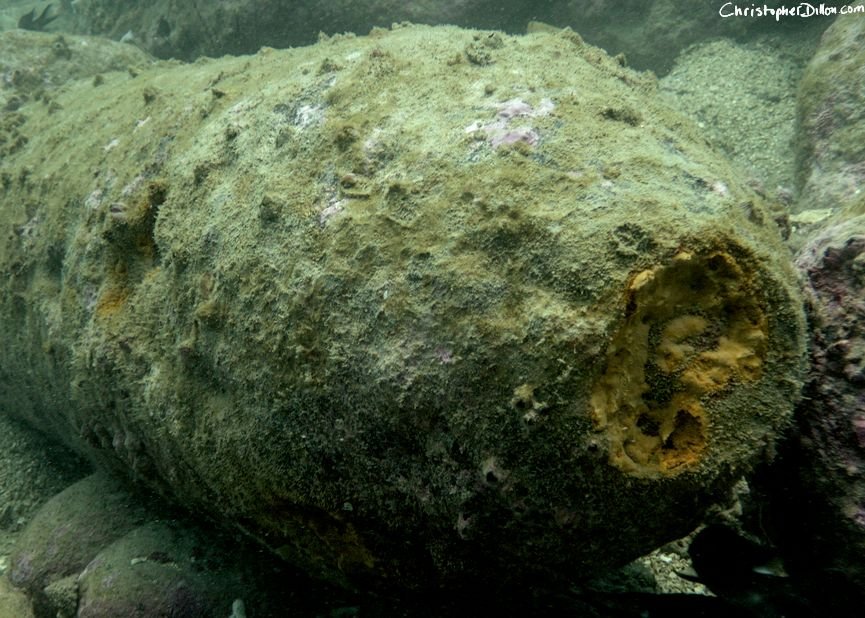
389	308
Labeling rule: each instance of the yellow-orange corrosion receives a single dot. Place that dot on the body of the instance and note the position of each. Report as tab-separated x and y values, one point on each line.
692	329
111	301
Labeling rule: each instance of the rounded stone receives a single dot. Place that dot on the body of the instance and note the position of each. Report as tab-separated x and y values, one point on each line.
162	568
66	533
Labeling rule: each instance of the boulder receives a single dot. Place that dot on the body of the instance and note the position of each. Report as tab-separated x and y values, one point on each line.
32	469
96	550
167	568
65	535
428	305
714	81
830	140
816	492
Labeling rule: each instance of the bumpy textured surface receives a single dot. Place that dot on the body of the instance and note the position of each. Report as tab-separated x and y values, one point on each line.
831	128
35	64
423	305
818	493
709	331
96	550
715	81
67	532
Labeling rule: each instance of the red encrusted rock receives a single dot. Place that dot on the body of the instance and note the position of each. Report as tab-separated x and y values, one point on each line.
819	489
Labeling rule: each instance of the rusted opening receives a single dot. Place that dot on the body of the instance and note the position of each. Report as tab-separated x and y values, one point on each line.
692	330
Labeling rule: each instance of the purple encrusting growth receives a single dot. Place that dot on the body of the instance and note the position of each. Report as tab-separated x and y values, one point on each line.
499	132
834	265
822	477
513	136
513	109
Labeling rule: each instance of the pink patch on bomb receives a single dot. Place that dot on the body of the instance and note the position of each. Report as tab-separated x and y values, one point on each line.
513	108
509	137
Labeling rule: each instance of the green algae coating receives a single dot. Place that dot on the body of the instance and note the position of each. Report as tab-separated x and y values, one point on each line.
830	139
366	301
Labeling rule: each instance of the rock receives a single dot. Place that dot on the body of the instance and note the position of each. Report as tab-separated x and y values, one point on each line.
743	96
94	551
37	63
66	533
817	490
159	569
13	604
830	141
62	597
403	316
32	470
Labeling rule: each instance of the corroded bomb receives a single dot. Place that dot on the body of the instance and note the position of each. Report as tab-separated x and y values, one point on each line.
422	306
